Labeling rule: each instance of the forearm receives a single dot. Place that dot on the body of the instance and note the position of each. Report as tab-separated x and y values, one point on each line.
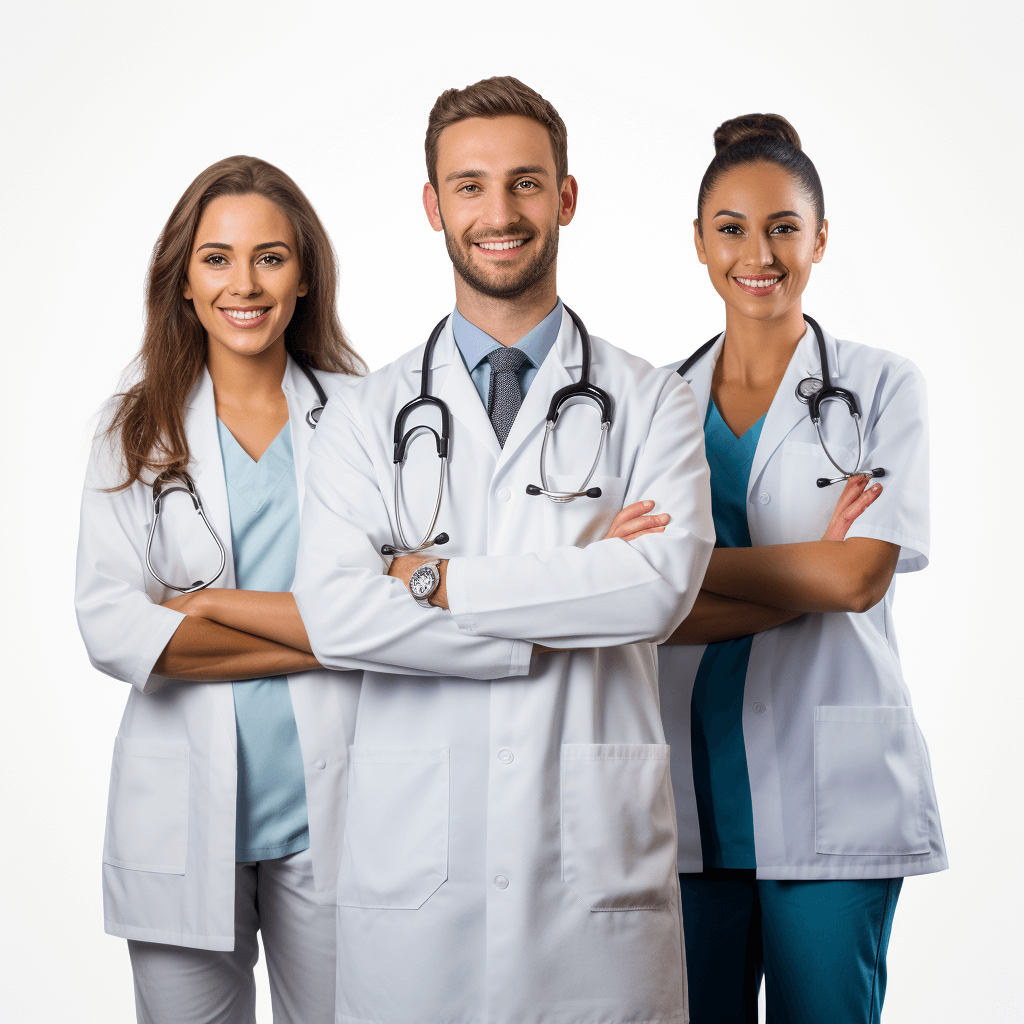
273	616
715	618
205	651
814	576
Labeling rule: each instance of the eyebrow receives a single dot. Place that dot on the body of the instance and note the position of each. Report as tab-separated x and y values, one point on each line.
513	173
255	248
771	216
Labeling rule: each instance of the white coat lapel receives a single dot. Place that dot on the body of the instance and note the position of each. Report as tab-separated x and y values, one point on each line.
700	374
565	354
301	397
462	397
786	409
207	469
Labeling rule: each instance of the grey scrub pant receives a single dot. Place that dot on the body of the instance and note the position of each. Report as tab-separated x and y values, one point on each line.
179	985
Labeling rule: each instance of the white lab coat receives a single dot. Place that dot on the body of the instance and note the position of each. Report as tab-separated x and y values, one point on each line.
510	850
840	778
169	851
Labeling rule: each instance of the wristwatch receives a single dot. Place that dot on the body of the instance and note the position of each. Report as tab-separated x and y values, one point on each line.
424	581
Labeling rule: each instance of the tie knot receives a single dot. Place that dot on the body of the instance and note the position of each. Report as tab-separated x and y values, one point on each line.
506	359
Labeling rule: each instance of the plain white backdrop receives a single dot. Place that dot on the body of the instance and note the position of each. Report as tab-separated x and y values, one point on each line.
911	114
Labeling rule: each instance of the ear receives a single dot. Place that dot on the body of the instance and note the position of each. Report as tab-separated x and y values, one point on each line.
431	205
303	290
187	290
820	242
567	196
698	242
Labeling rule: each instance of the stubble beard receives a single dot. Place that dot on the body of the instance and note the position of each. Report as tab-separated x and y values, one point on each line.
512	286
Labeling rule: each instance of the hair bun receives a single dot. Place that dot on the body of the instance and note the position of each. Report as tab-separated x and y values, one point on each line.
752	126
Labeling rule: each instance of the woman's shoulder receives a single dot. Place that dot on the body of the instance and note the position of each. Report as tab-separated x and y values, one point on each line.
871	364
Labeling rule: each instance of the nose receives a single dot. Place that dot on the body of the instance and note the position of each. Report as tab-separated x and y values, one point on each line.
243	281
499	210
758	251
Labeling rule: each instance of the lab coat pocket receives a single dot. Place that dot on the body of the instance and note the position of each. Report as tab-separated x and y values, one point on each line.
868	782
583	520
618	825
147	810
395	855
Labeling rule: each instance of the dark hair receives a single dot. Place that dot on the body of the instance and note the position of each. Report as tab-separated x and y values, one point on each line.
150	415
495	97
766	138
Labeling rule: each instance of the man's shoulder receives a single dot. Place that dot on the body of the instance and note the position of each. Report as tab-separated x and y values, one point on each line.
628	368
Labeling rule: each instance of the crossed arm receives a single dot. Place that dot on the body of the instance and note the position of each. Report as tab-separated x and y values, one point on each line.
241	634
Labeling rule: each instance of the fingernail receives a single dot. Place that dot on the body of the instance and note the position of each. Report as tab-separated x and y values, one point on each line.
877	487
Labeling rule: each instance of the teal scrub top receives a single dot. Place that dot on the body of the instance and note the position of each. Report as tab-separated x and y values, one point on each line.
720	776
271	819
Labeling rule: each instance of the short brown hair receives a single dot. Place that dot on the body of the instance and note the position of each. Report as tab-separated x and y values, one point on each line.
495	97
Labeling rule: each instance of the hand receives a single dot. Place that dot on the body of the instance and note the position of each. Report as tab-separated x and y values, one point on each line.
633	522
851	503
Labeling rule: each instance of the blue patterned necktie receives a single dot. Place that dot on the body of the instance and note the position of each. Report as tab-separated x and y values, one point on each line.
506	390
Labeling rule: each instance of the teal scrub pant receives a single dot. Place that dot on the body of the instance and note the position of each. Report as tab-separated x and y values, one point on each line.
819	945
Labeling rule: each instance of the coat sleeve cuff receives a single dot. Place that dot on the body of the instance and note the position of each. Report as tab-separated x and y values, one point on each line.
913	551
458	595
142	677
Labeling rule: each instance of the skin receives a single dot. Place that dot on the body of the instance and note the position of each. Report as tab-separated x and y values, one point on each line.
757	223
244	256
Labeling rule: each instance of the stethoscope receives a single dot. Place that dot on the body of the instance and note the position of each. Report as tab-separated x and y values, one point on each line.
814	392
183	482
583	388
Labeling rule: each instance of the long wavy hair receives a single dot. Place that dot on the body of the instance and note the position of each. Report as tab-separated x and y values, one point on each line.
149	419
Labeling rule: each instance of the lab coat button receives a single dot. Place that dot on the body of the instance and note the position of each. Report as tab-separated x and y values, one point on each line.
501	882
320	763
759	708
764	497
503	494
505	755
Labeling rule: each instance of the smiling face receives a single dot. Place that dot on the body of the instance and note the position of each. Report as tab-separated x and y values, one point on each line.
500	204
244	275
760	238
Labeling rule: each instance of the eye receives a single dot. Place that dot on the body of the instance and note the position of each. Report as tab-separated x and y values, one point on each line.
469	188
216	260
525	185
784	229
270	259
730	229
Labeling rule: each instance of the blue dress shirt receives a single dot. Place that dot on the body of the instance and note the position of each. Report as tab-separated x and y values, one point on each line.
475	346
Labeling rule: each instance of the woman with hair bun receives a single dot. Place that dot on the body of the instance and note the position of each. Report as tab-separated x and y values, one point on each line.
228	786
802	782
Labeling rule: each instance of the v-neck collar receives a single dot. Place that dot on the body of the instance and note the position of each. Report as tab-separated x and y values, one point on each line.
254	481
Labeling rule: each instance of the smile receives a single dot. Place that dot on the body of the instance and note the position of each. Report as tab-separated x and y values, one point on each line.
760	285
245	318
514	243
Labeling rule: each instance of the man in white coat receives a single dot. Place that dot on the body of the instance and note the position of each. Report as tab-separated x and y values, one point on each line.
510	843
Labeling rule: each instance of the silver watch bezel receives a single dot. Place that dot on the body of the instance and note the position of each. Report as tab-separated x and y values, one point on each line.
435	577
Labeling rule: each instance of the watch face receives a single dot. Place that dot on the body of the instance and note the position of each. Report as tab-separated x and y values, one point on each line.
423	581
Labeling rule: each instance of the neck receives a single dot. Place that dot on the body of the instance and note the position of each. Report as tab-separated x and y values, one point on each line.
246	380
758	351
507	320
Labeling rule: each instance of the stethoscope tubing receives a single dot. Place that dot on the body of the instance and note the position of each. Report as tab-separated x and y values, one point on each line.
188	486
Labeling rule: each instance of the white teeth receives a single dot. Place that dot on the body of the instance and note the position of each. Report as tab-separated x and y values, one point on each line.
751	283
502	245
249	314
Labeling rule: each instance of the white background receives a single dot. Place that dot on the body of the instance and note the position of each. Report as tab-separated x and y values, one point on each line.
911	114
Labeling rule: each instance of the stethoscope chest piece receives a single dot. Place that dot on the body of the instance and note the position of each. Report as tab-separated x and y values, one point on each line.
808	387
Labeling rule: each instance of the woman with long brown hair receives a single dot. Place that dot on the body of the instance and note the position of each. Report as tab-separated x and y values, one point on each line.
226	801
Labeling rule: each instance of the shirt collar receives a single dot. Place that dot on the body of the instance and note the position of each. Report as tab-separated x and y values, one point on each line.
475	345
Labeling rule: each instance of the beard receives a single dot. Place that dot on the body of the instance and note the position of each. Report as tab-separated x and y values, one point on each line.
511	284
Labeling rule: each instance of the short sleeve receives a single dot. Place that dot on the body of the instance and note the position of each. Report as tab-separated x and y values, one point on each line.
896	440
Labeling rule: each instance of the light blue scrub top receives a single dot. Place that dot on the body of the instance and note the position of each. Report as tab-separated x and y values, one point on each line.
720	776
475	346
271	819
